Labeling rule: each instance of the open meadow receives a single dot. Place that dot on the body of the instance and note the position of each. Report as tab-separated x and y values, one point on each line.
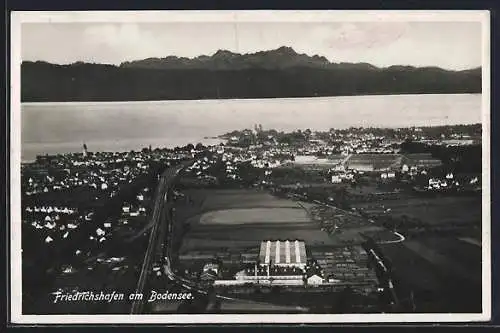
241	219
442	272
432	211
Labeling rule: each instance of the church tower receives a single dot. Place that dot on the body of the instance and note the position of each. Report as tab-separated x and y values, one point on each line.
85	152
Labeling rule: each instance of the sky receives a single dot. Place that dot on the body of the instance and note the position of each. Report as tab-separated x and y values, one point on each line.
449	45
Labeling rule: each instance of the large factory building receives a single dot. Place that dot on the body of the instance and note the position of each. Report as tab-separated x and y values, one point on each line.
280	263
283	253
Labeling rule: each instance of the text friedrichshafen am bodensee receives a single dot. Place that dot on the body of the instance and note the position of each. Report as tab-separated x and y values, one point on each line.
93	296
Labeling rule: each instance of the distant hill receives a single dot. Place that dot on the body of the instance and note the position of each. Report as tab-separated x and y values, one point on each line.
266	74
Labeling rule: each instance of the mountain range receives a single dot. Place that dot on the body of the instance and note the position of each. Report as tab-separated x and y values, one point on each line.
266	74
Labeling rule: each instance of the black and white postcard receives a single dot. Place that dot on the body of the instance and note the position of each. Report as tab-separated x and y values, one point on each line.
176	167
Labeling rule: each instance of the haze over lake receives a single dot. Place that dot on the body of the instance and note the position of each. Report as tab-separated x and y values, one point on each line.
116	126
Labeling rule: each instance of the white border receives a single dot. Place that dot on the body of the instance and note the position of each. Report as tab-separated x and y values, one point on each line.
17	18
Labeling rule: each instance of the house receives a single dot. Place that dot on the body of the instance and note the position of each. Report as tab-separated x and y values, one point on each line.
314	279
434	182
336	179
208	275
211	266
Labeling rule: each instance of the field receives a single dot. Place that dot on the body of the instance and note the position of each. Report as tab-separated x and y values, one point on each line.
255	215
440	261
432	211
379	161
240	219
227	199
374	157
441	271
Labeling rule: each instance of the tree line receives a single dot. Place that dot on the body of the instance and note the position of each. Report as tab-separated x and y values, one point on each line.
42	81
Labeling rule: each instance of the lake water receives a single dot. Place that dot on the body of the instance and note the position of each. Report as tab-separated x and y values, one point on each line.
117	126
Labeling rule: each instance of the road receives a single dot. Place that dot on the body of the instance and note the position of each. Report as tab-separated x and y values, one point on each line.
401	239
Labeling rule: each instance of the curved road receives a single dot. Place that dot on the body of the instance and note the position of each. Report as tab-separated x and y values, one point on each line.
401	239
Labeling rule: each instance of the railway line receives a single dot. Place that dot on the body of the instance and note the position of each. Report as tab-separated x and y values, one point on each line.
162	198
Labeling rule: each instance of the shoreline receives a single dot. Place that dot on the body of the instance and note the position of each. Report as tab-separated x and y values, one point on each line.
208	100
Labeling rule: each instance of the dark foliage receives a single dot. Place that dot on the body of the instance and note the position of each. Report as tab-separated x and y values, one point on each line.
270	74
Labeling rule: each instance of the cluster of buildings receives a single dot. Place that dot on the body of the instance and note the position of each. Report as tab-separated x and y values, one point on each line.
104	172
367	143
450	182
348	265
333	271
278	263
267	147
61	195
285	263
338	156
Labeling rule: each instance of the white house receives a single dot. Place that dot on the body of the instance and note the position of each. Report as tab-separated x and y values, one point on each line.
434	182
336	179
211	266
314	280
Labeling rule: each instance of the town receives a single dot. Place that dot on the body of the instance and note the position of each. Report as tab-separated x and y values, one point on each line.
310	213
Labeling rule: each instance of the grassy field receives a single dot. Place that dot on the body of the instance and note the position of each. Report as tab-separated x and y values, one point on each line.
197	239
456	250
203	244
227	199
433	211
441	271
238	219
255	215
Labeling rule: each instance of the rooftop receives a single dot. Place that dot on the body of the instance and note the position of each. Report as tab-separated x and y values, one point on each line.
287	252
